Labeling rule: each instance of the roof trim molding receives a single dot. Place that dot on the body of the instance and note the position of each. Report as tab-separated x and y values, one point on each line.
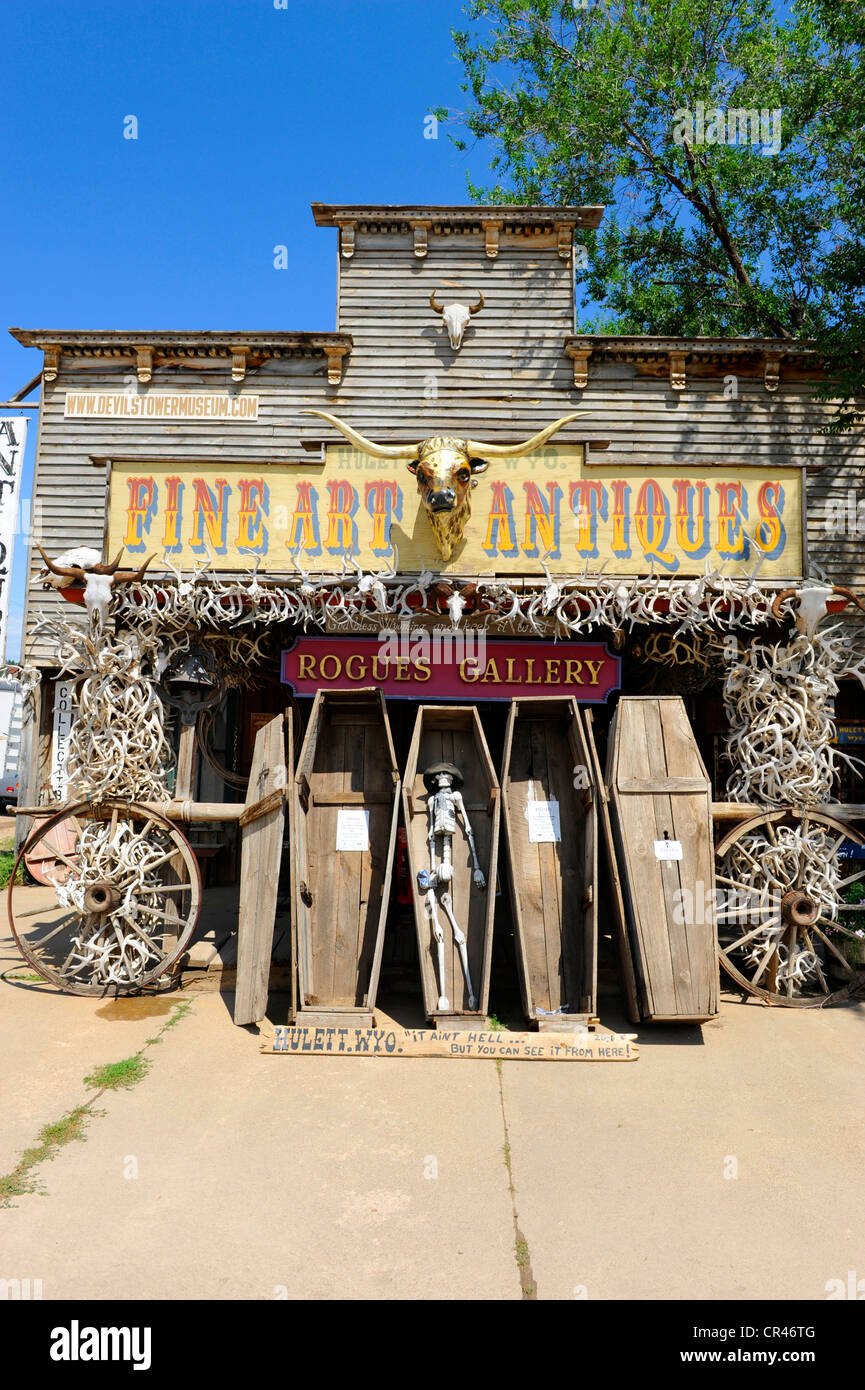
399	217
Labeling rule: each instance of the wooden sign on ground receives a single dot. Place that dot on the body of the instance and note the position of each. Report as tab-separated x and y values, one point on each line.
421	1042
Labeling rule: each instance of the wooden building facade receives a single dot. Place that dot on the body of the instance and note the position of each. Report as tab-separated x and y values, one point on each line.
230	410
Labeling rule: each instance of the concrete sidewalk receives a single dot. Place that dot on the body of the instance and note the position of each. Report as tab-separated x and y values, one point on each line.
261	1177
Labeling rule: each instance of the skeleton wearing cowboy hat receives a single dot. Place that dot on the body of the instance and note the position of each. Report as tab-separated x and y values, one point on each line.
445	807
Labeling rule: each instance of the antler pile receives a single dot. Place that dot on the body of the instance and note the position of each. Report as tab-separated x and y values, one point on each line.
117	744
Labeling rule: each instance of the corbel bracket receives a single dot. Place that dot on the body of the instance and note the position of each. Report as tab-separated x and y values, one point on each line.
346	239
580	357
565	235
420	231
771	370
238	362
678	378
335	354
50	363
144	364
491	239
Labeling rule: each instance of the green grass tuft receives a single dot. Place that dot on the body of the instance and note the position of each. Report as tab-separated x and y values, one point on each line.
7	861
52	1138
116	1076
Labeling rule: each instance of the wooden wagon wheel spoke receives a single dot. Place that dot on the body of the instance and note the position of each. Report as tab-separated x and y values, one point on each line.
771	951
788	966
749	936
168	888
94	948
830	945
49	936
820	976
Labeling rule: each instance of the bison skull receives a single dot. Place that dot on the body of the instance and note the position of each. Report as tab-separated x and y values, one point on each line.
455	317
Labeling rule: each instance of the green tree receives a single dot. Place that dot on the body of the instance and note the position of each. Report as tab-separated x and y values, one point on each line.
715	224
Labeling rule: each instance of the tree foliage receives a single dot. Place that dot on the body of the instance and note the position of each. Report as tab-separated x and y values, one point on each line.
646	106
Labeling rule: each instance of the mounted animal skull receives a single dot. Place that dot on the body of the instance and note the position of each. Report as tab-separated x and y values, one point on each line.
445	469
98	579
455	317
813	604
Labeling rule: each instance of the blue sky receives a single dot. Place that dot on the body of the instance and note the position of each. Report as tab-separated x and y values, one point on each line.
246	114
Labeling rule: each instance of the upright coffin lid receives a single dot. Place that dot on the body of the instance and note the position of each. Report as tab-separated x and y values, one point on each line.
453	733
662	797
340	897
552	883
262	828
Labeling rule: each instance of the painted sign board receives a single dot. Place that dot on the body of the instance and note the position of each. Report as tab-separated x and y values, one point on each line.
420	1042
64	715
451	666
13	438
159	405
671	520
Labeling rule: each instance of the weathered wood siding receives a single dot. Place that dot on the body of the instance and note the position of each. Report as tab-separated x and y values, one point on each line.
403	381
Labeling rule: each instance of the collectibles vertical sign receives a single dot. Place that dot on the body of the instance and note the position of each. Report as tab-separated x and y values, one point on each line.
64	699
13	437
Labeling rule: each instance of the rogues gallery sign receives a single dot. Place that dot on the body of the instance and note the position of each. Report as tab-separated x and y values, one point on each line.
549	504
448	666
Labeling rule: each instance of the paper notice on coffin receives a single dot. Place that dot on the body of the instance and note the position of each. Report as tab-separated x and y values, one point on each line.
544	825
668	849
352	830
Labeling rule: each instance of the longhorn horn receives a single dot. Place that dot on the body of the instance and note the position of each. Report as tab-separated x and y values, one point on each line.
779	599
439	308
849	595
108	569
378	451
501	451
476	308
136	578
74	573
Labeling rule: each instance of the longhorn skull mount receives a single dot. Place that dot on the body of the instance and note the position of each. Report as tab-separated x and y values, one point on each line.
97	579
455	317
813	604
444	468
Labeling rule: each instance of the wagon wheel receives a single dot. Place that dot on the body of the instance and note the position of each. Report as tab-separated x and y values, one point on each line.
121	910
778	919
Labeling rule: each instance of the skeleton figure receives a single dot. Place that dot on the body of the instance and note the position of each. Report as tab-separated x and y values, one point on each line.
445	806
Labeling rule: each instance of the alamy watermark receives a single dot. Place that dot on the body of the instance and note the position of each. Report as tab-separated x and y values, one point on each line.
424	648
715	125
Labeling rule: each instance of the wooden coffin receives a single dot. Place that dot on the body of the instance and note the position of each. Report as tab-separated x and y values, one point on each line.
262	831
548	787
346	804
661	813
453	734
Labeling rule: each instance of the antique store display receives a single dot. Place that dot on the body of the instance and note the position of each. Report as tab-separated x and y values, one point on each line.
317	588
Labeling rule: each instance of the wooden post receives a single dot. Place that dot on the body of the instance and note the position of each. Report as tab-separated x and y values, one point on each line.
187	764
259	871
